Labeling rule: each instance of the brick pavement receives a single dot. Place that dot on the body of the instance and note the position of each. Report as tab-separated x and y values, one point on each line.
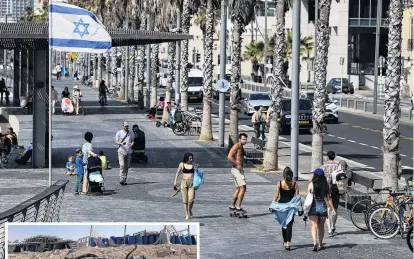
147	198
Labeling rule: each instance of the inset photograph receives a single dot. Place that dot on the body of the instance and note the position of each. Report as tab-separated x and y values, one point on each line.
103	241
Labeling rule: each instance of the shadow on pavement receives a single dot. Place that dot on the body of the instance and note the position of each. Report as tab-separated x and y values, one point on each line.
358	156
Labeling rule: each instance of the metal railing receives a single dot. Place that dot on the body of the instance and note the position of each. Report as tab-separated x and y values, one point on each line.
259	87
44	207
367	106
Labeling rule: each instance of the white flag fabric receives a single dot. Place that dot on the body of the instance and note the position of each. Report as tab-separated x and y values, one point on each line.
75	29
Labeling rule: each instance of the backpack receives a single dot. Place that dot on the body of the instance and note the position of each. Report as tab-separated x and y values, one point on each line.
178	116
341	180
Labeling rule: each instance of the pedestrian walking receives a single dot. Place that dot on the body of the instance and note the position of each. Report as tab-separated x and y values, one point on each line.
3	89
58	72
329	167
79	170
236	156
259	122
316	206
87	152
186	168
77	94
54	98
286	190
124	140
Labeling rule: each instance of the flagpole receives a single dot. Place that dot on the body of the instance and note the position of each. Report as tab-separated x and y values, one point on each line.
50	98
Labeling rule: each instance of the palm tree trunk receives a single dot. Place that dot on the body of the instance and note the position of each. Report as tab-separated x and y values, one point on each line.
94	74
114	67
140	62
107	69
391	133
321	62
235	81
154	79
206	126
168	92
270	158
185	25
100	67
122	81
132	65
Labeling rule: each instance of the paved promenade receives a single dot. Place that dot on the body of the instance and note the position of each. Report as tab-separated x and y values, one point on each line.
147	197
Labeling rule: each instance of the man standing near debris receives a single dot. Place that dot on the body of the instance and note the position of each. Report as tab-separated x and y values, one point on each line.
236	156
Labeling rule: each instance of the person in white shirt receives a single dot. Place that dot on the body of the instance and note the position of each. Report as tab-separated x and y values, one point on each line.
58	72
54	98
125	140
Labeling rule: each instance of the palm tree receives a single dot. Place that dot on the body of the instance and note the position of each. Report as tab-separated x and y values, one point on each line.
391	133
321	62
242	13
188	11
270	159
141	57
200	20
170	79
254	52
206	126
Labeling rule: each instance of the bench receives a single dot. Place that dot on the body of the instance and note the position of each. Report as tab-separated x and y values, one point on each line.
258	143
369	181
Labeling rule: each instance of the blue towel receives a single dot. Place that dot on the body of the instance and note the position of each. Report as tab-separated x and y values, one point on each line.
284	211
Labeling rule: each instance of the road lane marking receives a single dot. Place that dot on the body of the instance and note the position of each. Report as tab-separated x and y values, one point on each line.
363	144
375	147
353	141
403	155
374	130
341	138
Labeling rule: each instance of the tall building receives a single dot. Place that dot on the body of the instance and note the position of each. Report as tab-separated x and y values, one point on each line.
13	10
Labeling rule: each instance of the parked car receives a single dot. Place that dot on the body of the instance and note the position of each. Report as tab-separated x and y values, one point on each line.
334	86
305	115
256	99
331	110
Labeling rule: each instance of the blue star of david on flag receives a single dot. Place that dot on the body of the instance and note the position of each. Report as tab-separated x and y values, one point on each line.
85	28
74	29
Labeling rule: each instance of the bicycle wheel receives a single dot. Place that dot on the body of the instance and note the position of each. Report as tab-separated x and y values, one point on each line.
372	209
410	238
359	213
384	223
180	128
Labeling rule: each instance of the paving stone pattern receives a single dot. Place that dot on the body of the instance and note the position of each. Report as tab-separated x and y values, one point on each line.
148	195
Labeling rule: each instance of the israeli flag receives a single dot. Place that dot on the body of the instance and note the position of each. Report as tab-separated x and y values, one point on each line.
74	29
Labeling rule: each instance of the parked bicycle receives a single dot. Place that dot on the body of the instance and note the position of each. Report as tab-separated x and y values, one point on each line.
113	92
183	120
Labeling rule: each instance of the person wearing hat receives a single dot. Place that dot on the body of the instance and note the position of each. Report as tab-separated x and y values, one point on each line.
329	167
79	170
319	189
124	139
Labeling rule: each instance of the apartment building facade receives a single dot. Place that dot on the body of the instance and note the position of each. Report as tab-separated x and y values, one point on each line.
13	10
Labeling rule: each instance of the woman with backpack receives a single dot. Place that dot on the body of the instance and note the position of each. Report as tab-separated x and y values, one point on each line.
316	206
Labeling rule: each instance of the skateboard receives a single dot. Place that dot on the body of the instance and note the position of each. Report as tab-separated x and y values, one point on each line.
240	214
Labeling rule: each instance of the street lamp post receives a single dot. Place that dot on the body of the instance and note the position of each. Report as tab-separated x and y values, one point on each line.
294	148
223	59
377	42
265	47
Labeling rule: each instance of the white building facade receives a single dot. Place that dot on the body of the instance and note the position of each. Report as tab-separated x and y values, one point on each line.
13	10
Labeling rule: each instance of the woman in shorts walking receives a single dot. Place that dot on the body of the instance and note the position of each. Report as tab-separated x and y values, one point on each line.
187	190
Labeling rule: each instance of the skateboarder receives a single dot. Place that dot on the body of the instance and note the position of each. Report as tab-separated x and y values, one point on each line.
235	156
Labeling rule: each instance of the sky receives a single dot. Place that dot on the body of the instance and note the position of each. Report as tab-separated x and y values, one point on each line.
20	232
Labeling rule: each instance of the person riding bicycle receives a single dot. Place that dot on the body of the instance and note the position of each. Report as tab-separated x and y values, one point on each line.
103	89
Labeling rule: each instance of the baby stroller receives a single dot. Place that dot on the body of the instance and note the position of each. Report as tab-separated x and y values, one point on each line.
138	150
94	175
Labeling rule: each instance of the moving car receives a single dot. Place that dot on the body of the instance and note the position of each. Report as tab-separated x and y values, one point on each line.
305	115
256	99
334	86
331	110
195	84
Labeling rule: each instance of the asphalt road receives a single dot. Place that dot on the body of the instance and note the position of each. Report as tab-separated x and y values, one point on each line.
356	137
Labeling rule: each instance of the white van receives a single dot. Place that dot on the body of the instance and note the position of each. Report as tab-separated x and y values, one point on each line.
195	84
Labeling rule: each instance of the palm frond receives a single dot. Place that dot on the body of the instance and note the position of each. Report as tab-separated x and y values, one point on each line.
242	9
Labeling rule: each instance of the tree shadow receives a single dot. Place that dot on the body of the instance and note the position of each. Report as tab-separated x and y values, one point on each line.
359	156
208	217
309	143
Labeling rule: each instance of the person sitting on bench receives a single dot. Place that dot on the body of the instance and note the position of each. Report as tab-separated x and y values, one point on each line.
25	156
